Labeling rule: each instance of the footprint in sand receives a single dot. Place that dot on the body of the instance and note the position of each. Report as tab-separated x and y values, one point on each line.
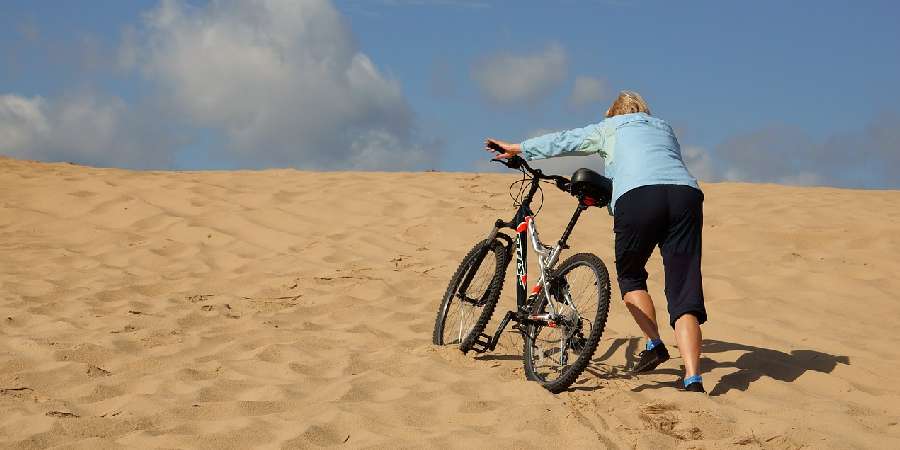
94	371
692	425
326	435
479	406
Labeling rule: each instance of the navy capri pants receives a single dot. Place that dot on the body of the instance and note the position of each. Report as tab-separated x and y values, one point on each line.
671	217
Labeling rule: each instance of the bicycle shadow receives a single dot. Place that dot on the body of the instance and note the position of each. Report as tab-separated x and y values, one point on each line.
752	365
508	349
600	369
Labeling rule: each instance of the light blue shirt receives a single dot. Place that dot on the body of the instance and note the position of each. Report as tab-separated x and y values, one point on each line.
638	150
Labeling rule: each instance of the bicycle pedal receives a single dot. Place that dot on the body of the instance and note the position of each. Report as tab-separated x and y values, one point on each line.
482	343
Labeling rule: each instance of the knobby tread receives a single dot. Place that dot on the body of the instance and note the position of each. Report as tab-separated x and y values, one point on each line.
494	288
574	371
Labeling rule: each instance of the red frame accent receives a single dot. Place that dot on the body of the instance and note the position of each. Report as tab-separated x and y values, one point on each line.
524	225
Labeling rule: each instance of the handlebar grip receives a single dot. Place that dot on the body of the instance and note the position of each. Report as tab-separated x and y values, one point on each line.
515	162
496	147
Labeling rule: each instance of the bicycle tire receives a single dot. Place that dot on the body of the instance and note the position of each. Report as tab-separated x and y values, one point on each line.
487	300
571	372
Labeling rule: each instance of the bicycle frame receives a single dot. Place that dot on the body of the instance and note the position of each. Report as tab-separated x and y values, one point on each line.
526	230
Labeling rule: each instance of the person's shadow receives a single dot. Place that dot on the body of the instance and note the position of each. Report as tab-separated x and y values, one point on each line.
758	362
752	365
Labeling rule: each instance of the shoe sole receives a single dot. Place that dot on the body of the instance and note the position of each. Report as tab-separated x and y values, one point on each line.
649	368
701	391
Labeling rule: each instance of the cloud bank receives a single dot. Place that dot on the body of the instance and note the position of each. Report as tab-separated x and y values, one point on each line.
511	78
282	82
866	158
84	128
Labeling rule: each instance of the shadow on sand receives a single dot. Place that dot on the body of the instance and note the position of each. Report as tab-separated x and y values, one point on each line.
757	362
752	364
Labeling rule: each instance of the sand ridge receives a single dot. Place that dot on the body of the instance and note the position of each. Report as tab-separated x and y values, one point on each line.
290	309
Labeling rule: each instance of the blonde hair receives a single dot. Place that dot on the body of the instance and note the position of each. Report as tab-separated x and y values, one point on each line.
626	103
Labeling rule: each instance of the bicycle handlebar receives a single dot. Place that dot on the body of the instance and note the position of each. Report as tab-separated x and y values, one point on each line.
517	162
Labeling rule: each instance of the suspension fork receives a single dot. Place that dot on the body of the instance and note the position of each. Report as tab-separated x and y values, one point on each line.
494	234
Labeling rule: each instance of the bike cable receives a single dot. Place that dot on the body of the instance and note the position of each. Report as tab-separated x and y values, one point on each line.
517	199
523	188
541	205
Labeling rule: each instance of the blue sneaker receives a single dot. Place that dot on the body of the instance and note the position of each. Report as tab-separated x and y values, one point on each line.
650	359
694	384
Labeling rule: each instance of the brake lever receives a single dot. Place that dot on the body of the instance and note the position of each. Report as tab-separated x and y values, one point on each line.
501	161
512	163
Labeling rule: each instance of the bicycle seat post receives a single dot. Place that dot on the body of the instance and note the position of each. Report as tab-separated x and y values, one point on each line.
565	236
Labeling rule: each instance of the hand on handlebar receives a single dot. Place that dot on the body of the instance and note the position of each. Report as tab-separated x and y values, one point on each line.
514	161
504	149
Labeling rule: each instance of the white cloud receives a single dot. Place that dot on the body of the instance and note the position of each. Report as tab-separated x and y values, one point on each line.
22	120
867	158
699	163
380	150
282	80
83	128
587	91
506	78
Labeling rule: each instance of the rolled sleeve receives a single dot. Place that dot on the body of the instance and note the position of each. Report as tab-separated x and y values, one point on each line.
554	144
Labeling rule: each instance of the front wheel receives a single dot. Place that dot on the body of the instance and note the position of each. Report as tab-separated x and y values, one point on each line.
560	345
471	296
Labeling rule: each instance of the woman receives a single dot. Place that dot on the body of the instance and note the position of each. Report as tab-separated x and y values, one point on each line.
655	202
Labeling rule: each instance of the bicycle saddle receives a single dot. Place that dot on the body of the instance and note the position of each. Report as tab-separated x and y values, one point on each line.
591	184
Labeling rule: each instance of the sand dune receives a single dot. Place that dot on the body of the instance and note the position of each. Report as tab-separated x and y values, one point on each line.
288	309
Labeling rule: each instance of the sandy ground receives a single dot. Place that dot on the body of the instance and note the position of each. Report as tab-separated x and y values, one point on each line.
286	309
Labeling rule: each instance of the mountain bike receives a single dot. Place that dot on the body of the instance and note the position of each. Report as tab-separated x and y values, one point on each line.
562	317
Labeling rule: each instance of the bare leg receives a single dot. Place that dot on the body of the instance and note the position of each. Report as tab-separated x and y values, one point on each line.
688	336
640	305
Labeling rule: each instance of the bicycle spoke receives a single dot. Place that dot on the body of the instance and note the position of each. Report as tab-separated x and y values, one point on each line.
555	348
466	314
465	307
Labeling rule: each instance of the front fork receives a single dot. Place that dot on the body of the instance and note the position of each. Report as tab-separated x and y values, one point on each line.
522	316
518	249
467	280
523	226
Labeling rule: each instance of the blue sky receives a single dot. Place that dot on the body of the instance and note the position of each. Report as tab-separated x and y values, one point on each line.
792	92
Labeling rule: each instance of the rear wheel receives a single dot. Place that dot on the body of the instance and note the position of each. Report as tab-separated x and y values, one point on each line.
471	296
560	346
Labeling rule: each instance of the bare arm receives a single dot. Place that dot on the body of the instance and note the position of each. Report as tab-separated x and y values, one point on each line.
509	148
